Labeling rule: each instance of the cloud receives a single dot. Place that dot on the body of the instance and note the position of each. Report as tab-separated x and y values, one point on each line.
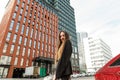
2	8
99	18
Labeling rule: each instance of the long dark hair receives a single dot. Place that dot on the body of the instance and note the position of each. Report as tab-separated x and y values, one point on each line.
66	37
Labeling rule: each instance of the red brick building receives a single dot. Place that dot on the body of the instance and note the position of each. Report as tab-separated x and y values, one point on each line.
28	33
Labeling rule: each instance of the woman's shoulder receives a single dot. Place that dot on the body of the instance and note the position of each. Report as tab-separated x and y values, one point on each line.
68	42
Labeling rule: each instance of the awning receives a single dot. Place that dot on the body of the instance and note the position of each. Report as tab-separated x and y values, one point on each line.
5	65
43	59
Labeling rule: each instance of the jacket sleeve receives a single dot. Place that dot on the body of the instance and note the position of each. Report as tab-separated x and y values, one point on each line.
65	58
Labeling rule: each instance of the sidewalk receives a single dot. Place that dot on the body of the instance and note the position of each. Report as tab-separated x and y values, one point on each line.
42	78
21	78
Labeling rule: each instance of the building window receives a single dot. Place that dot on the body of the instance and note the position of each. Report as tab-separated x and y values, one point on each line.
47	30
30	44
8	36
27	30
18	50
27	62
43	35
28	52
21	11
19	18
9	60
34	44
46	48
20	40
25	13
5	47
23	5
37	54
29	21
22	31
17	27
18	1
14	15
42	46
16	8
39	36
40	27
75	49
52	49
28	1
46	38
43	28
12	49
22	60
37	26
5	60
33	53
34	17
23	52
25	42
24	19
31	33
38	14
38	45
49	48
36	34
49	39
33	23
30	15
52	40
16	61
11	25
14	38
27	7
32	3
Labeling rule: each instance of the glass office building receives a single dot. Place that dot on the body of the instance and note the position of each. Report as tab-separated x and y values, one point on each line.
66	21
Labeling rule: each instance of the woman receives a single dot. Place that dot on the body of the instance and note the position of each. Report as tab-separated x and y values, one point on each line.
62	57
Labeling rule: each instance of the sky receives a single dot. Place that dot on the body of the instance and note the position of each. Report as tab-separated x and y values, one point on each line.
2	7
97	18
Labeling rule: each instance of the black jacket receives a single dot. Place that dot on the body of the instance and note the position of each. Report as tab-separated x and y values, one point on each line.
64	64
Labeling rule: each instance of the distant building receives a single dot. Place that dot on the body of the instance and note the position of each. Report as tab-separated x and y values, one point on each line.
93	52
28	33
81	50
100	53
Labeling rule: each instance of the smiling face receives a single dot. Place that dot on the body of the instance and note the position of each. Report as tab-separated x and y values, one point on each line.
62	36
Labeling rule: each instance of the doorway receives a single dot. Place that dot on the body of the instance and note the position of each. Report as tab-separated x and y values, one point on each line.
18	72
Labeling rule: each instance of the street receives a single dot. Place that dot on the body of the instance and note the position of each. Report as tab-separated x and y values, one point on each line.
80	78
83	78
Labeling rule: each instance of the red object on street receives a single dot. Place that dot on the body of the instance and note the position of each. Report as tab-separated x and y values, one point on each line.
110	71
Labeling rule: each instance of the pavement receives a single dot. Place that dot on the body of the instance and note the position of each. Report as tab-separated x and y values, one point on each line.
47	78
42	78
21	79
84	78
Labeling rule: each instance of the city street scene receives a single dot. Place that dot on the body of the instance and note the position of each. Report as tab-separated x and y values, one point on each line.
70	39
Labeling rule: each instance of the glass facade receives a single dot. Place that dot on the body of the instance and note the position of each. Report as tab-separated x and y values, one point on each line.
66	21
